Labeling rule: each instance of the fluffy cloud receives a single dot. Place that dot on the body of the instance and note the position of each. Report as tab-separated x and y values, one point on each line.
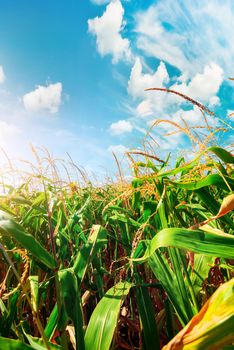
117	149
44	98
2	75
149	102
203	86
214	101
139	81
121	127
188	35
107	30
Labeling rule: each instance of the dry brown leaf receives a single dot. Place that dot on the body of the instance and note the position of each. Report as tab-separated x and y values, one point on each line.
71	332
226	206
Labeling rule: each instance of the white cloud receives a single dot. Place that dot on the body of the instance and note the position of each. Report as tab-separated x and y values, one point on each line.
117	149
190	38
121	127
145	108
151	102
203	86
214	101
191	117
194	117
2	75
188	35
46	98
107	30
155	41
172	142
139	81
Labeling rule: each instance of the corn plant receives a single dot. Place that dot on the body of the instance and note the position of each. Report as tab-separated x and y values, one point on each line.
122	266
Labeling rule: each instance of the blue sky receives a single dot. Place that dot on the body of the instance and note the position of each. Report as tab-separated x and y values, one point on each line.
73	74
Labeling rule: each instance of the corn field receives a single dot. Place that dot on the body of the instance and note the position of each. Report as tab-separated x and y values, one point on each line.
140	265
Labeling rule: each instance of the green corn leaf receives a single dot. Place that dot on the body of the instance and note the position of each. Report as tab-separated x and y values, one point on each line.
213	179
147	317
97	239
167	278
211	244
38	343
183	168
197	241
10	344
10	228
104	318
224	155
70	304
8	315
211	203
199	273
52	322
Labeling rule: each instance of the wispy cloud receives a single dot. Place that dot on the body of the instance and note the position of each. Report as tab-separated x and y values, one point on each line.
108	31
44	98
188	34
